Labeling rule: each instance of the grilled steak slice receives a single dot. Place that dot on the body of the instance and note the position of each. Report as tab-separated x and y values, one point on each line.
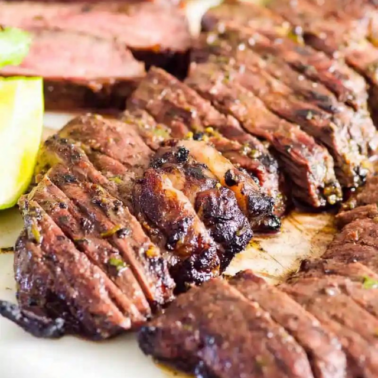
322	347
173	224
178	106
368	195
82	232
198	334
298	151
92	300
359	124
338	313
362	212
153	133
257	207
113	139
284	102
88	72
348	86
114	222
320	268
335	37
215	205
164	43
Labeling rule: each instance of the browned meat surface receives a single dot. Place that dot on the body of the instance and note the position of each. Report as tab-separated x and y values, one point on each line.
349	216
368	195
215	205
300	155
198	334
83	233
348	86
359	124
173	224
321	267
257	207
80	71
355	327
156	32
322	347
338	36
283	101
114	222
183	109
94	305
115	140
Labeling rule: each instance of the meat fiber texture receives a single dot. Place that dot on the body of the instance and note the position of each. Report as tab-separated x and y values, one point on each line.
67	34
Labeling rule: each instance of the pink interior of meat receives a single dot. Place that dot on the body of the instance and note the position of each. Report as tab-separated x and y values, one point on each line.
142	26
73	56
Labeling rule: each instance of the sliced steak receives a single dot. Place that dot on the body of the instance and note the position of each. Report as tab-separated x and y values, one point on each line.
93	301
348	86
322	348
79	71
112	138
172	223
338	37
358	123
178	106
82	232
164	43
257	207
198	334
298	152
362	212
326	299
115	223
215	205
319	268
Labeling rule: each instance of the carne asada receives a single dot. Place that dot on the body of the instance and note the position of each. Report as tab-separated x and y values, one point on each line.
104	73
134	25
178	106
300	155
198	334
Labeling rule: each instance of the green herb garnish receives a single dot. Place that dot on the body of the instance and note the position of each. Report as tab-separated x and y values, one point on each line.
370	283
14	46
117	263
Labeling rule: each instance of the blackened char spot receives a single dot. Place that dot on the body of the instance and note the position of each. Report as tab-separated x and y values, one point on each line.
230	178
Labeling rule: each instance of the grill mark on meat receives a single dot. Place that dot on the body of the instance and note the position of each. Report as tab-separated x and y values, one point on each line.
336	39
110	216
171	221
182	109
281	100
269	31
216	206
322	347
113	139
198	335
358	124
93	300
298	151
341	315
82	232
254	205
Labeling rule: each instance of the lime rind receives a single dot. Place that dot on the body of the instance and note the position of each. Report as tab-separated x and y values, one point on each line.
21	125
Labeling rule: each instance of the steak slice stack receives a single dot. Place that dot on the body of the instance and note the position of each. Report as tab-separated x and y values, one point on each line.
89	52
182	109
214	331
350	136
300	155
80	71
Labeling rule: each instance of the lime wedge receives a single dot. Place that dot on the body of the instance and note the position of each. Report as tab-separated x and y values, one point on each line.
21	124
14	46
